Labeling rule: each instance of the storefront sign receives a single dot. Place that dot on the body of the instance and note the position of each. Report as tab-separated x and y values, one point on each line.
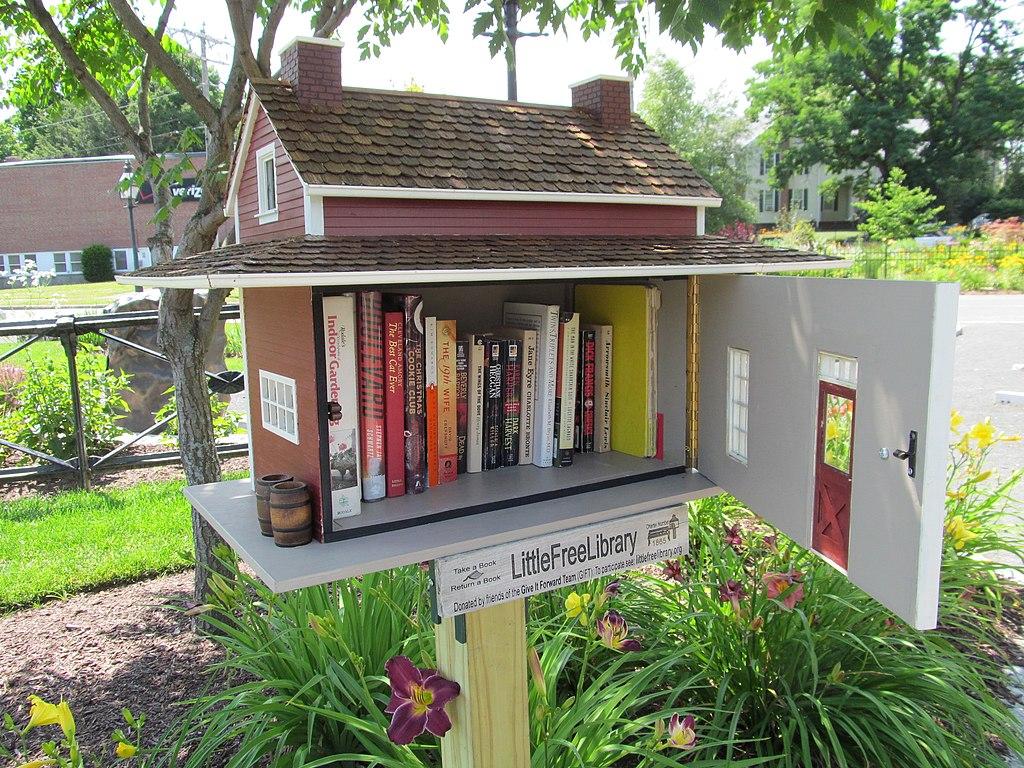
506	572
186	189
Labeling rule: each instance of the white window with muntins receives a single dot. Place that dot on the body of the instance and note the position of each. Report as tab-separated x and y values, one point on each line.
838	369
266	177
277	406
67	262
12	261
738	403
121	260
768	200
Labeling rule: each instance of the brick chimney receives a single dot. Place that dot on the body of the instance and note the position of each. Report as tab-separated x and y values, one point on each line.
608	99
313	67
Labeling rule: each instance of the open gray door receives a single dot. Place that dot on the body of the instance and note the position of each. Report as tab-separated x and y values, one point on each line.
824	406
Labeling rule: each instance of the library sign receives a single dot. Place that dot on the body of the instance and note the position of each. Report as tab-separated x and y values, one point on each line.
473	580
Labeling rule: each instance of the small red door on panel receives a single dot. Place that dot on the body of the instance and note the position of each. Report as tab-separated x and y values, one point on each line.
833	472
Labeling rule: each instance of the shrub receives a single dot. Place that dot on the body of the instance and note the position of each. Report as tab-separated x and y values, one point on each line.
97	263
225	421
1005	207
233	338
44	421
1009	230
897	212
740	231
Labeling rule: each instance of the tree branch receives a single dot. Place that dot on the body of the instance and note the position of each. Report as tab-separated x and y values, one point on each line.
166	63
266	45
146	80
241	14
330	16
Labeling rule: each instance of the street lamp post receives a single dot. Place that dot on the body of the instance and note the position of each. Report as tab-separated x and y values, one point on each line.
128	193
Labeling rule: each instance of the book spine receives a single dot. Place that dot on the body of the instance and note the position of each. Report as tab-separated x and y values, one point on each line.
558	393
394	403
371	395
415	397
569	358
493	412
511	380
461	403
477	399
528	397
588	362
430	376
340	348
603	390
543	319
447	434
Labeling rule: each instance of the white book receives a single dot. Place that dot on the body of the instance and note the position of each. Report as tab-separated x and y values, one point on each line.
340	342
542	318
602	387
567	402
475	402
527	389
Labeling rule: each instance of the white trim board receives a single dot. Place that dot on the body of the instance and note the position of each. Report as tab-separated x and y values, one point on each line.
427	276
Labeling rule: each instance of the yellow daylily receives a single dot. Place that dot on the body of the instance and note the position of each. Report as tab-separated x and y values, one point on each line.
42	763
576	605
124	750
959	532
831	431
982	477
956	419
983	433
42	713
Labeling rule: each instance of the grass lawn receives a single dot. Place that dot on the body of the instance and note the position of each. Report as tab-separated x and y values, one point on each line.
39	352
78	295
78	540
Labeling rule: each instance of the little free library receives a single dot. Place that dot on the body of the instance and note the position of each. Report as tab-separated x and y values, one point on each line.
495	336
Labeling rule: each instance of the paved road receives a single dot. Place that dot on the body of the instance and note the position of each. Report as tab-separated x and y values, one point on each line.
991	343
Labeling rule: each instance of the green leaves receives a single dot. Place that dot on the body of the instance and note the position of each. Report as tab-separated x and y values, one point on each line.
896	211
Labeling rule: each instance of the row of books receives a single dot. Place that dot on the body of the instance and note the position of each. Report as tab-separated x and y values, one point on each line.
435	401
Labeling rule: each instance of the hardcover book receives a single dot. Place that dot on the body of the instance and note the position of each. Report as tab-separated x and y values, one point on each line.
430	374
476	400
542	318
494	415
415	395
394	403
447	403
585	392
565	393
602	387
340	334
528	389
371	395
511	376
461	402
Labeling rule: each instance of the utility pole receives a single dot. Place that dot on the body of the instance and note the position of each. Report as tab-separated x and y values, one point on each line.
510	12
206	42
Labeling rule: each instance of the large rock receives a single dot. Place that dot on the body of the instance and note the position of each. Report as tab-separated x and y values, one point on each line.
151	377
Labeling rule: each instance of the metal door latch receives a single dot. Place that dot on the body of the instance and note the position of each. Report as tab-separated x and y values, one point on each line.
909	455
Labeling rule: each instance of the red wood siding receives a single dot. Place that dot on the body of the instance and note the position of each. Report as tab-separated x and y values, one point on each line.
291	219
364	216
279	339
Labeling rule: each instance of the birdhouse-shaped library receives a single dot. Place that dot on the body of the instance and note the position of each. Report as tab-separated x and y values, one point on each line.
467	322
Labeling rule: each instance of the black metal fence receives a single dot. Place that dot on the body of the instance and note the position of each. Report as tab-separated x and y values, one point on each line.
67	330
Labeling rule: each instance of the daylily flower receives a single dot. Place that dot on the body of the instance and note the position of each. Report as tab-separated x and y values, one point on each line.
983	433
787	585
124	750
831	431
44	713
732	536
418	698
612	629
672	569
612	588
732	592
955	420
772	542
681	733
959	532
576	606
44	762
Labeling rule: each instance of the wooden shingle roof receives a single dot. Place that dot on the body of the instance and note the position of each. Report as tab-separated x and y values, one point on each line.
365	260
419	141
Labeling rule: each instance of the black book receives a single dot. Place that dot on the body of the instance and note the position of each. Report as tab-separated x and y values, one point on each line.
585	384
512	377
493	411
415	390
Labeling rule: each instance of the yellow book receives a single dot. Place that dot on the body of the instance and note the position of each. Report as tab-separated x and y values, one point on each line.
632	311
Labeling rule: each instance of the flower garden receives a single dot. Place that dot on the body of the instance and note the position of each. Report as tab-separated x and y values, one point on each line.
749	651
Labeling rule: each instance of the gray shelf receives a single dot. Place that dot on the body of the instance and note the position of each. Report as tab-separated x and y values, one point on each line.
230	507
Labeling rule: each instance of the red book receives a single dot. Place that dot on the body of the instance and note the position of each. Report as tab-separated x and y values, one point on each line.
394	402
371	394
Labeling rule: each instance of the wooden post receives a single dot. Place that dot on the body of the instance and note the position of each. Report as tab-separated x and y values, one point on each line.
486	655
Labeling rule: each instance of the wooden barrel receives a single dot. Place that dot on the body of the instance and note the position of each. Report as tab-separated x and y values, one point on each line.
263	485
291	514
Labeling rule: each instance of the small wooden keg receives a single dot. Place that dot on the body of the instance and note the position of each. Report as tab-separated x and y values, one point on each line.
291	514
263	485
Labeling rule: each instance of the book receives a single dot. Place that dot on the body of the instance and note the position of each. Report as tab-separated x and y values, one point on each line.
430	377
528	388
447	434
340	348
632	312
542	318
415	395
476	398
511	380
461	403
565	387
493	412
369	318
394	403
602	387
584	438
